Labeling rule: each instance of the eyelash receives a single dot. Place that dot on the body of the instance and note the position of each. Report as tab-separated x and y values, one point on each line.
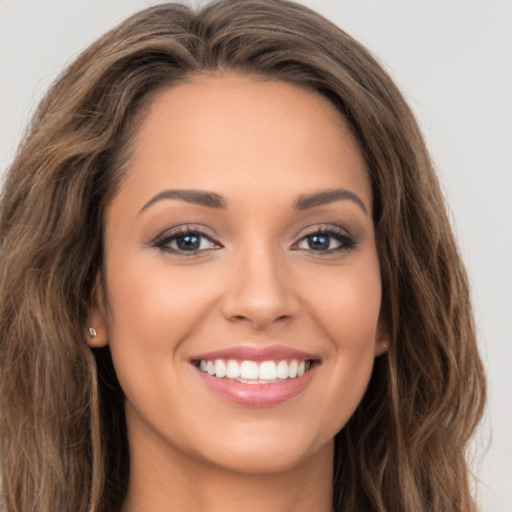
346	241
163	243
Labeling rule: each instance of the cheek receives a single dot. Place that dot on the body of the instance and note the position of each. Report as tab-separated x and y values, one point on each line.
346	303
153	310
154	303
351	317
346	309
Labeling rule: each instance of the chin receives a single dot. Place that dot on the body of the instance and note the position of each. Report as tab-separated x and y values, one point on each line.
267	450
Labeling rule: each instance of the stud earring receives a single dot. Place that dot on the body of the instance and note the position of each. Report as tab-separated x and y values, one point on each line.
92	332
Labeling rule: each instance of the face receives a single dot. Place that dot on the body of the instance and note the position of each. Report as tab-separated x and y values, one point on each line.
242	279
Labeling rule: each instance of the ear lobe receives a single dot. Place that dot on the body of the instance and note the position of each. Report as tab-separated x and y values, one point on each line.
97	332
382	337
381	347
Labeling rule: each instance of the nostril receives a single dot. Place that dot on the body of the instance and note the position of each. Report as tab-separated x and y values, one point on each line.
259	322
261	310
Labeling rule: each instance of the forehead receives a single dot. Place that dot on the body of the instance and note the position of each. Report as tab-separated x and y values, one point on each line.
224	133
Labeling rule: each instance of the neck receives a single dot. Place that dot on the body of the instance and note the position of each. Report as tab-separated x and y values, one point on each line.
169	481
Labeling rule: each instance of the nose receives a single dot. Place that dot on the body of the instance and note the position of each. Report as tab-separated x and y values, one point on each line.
260	292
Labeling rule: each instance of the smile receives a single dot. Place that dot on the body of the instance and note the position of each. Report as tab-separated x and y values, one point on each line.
254	372
256	376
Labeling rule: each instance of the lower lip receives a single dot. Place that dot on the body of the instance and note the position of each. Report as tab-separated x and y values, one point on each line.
257	395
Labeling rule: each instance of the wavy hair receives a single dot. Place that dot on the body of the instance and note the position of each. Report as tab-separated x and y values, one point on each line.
62	429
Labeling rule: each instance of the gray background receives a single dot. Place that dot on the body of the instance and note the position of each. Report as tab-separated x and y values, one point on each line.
453	60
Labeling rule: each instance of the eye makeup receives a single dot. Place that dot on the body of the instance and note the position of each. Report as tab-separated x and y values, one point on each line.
193	240
326	240
186	240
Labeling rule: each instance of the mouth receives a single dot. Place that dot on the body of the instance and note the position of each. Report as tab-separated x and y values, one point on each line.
254	372
254	376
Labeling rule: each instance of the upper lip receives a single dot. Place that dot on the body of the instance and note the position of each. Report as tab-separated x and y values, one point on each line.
252	353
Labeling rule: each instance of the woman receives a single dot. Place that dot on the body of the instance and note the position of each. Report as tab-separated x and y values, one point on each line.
229	281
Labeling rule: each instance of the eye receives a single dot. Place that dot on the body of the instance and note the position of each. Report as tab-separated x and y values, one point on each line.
186	242
326	240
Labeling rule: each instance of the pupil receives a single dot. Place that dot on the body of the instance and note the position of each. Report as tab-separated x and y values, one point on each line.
188	242
318	242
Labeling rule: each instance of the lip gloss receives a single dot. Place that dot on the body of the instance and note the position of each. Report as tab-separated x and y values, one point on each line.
257	395
256	392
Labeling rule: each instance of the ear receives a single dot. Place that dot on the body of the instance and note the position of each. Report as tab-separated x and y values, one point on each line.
382	337
97	331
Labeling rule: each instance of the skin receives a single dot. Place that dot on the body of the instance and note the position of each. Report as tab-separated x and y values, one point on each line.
256	281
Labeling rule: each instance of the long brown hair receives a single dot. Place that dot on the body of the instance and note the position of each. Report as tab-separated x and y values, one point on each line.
62	433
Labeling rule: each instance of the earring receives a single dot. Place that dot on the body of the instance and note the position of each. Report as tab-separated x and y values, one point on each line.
92	332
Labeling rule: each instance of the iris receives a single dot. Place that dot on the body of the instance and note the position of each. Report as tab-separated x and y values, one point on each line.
189	242
319	242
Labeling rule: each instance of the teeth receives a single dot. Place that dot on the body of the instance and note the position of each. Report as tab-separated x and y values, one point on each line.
210	368
220	368
282	370
233	370
253	371
267	370
249	370
292	369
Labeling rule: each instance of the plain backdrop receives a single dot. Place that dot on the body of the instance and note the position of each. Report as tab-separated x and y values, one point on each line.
452	59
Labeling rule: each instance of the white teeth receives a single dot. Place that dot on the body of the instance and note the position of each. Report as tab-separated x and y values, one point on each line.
210	368
292	369
220	368
233	370
253	371
282	370
267	370
249	370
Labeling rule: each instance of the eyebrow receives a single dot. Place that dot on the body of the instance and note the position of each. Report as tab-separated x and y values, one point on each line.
209	199
307	201
213	200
